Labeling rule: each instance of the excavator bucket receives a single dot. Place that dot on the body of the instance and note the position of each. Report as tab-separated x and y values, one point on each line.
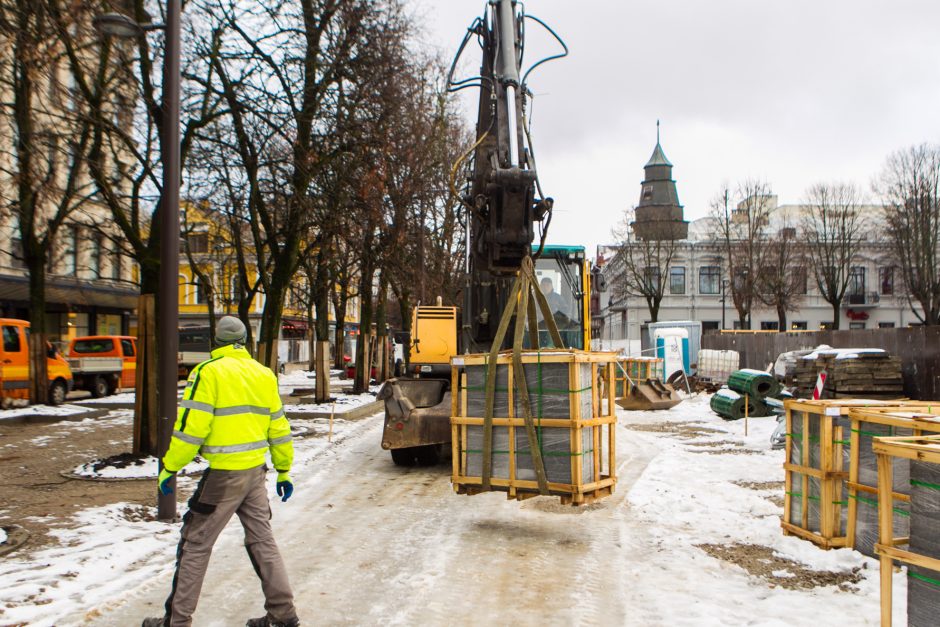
417	413
649	394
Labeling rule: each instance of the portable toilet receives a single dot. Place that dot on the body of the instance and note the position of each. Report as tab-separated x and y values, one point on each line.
692	327
672	346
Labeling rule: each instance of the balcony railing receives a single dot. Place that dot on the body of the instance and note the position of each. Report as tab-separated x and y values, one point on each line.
865	299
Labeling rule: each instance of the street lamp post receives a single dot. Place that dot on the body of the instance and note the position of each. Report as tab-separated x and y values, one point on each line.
120	25
724	287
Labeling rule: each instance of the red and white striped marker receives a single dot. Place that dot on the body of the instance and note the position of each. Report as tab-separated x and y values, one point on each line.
820	384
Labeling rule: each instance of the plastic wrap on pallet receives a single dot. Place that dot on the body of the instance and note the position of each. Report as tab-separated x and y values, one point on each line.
555	447
500	455
868	462
923	585
796	479
866	522
476	387
556	455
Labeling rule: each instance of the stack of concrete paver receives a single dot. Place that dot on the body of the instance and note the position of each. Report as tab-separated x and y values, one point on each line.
851	373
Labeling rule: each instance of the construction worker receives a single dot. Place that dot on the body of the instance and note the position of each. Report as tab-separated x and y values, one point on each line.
230	414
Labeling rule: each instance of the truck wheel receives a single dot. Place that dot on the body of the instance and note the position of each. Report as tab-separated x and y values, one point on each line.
403	456
429	455
57	392
99	387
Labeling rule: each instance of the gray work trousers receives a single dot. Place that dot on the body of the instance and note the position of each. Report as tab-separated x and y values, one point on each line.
220	494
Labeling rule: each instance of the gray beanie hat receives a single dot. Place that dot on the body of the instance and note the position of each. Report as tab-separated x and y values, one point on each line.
230	330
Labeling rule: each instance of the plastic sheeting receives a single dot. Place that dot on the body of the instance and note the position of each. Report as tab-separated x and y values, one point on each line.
866	518
923	585
556	454
547	384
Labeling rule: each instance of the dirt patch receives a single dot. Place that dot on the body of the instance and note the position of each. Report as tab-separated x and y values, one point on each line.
761	561
37	497
687	430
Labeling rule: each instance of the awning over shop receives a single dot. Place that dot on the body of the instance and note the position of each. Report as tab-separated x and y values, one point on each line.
72	292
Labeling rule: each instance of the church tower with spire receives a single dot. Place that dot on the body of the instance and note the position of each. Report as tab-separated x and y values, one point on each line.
659	215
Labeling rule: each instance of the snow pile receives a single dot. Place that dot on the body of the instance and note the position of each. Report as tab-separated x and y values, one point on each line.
3	535
341	403
122	397
127	466
844	353
42	410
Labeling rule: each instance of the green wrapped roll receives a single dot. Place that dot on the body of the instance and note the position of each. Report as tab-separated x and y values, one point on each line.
754	383
730	405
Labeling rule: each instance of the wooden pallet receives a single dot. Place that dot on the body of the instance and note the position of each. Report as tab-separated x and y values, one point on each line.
914	418
921	449
819	479
592	470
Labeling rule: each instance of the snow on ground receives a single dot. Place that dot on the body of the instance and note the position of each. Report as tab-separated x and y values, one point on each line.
120	397
107	553
3	535
686	494
132	468
42	410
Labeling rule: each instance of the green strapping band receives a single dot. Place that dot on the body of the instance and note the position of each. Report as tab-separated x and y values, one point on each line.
540	391
527	453
871	503
930	580
924	484
812	498
870	434
846	442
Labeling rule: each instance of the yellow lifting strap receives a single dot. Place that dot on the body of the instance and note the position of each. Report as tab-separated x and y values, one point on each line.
524	295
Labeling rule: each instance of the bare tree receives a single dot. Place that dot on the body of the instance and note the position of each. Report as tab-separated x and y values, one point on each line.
741	234
644	265
833	229
910	188
782	280
44	153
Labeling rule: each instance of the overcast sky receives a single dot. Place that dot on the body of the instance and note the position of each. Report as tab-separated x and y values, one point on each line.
793	92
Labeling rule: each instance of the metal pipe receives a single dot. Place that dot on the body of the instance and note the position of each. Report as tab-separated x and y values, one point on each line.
168	313
513	128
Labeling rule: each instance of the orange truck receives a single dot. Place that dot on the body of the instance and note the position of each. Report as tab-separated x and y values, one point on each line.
103	363
14	364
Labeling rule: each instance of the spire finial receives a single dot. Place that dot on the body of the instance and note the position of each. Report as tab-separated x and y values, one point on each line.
657	131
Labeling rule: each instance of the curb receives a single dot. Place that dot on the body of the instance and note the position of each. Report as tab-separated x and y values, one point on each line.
353	414
16	537
51	418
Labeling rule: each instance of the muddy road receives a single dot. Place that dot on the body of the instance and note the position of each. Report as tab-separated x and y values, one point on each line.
369	543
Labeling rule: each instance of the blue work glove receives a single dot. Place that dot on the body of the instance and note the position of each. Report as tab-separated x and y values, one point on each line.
285	486
163	481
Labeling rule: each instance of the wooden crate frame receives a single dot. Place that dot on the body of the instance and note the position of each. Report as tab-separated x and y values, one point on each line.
904	416
576	493
831	473
648	367
922	449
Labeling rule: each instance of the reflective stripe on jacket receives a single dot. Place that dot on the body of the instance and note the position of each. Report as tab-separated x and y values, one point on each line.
231	413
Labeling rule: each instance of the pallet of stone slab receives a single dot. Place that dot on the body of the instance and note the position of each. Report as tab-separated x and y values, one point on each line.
817	468
922	551
573	417
907	420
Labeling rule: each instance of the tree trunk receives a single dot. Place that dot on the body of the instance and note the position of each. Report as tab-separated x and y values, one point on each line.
271	319
38	373
363	356
836	314
321	298
781	318
146	412
311	338
381	331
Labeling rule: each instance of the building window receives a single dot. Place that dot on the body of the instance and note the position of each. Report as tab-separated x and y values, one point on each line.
709	280
198	242
651	278
677	280
16	253
856	281
647	192
769	325
824	326
70	253
94	257
800	282
886	280
885	325
202	292
856	325
799	326
710	325
116	265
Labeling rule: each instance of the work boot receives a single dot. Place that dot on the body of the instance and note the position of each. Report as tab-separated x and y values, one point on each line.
154	622
267	621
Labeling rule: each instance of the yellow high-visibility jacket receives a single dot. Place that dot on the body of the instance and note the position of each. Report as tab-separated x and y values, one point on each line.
231	414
